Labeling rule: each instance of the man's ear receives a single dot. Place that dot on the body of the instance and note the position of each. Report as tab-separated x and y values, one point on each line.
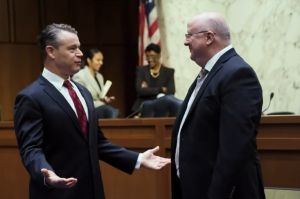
210	37
50	50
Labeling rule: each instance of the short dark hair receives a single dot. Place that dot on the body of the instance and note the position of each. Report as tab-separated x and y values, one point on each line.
48	36
91	52
153	47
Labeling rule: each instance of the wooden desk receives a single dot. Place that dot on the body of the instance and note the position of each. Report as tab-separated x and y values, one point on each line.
279	150
278	143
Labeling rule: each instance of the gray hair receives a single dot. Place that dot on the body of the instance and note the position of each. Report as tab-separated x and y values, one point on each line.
218	24
220	28
49	36
215	22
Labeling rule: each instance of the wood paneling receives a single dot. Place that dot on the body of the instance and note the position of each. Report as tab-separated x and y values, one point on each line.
280	162
140	183
56	11
4	33
281	168
131	54
27	20
110	25
14	178
114	70
85	17
20	65
11	163
111	22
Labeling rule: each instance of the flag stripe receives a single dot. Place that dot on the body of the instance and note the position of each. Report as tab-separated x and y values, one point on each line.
153	28
148	27
141	32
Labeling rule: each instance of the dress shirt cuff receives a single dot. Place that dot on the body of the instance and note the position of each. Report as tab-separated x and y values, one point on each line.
139	161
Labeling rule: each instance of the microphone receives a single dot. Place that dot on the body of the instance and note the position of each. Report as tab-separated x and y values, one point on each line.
271	97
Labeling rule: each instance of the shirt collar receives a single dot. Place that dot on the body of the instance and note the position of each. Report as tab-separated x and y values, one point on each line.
209	65
54	79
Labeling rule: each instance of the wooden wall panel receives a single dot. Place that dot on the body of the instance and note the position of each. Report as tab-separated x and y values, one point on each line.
27	20
279	154
116	189
283	164
11	164
4	33
113	69
85	16
20	65
116	35
56	11
110	25
131	53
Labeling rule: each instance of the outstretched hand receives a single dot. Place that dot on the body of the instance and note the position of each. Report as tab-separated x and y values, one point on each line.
53	180
151	161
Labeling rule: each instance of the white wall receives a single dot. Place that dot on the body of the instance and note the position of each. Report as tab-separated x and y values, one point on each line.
266	33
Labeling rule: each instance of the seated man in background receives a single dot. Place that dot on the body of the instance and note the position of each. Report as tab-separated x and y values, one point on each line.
90	78
155	87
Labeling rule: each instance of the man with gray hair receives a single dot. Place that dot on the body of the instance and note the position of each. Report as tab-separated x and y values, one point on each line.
213	152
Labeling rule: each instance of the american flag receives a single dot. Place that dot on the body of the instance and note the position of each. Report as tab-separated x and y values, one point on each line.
148	30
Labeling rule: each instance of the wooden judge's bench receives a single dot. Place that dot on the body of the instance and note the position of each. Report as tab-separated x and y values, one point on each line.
278	143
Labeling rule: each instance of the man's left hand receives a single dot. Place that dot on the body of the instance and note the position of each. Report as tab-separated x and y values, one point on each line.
151	161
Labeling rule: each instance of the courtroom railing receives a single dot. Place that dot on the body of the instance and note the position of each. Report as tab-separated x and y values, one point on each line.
278	144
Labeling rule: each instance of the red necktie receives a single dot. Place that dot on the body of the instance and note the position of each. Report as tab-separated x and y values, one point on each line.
78	106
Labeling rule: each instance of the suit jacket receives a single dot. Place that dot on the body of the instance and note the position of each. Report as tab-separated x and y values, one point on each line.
165	79
49	136
218	153
85	78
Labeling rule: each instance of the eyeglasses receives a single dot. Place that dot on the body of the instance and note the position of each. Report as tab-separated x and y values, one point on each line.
189	35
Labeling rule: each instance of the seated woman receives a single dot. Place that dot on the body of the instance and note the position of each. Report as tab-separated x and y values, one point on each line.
94	82
155	87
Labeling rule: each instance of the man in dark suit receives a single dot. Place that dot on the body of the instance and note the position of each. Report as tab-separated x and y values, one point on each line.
56	127
214	153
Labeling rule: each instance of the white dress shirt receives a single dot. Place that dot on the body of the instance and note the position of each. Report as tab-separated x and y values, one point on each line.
202	76
58	82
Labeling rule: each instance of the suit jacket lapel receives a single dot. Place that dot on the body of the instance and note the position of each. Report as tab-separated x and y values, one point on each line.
57	97
183	108
210	76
